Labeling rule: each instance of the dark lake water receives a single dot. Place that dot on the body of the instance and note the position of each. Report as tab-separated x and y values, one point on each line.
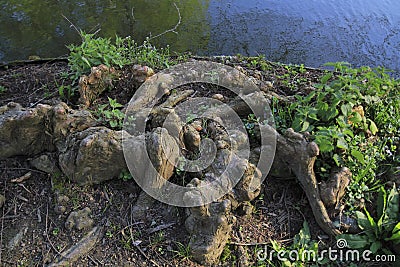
310	32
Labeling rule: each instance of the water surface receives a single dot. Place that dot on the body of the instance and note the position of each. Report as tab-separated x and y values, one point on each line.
309	31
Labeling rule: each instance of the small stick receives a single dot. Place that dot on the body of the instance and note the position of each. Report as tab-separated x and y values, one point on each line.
1	231
26	189
159	228
46	232
170	30
257	244
22	198
22	178
72	25
39	216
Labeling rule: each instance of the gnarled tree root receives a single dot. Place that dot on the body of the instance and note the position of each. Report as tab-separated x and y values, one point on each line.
299	155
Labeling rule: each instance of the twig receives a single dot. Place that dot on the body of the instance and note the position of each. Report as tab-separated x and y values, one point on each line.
249	244
31	170
10	217
136	245
44	98
172	29
159	228
26	189
257	244
2	224
93	260
130	225
72	25
22	178
39	216
22	198
46	231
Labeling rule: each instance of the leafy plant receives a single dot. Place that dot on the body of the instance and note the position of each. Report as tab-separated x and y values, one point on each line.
66	91
112	114
183	252
94	51
306	250
353	116
2	89
257	62
125	175
158	238
289	76
55	231
227	255
250	123
381	230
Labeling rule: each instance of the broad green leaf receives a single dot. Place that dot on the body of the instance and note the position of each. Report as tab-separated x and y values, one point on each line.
348	132
324	143
305	126
358	155
305	232
312	114
372	223
372	127
308	98
346	109
395	237
326	77
86	61
355	241
356	117
381	203
341	143
366	223
375	246
396	228
392	208
331	113
337	160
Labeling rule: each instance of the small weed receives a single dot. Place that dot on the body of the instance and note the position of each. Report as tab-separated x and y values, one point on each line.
251	123
302	243
379	232
109	234
125	175
291	78
258	62
55	231
94	51
2	89
111	114
227	255
183	252
159	237
66	91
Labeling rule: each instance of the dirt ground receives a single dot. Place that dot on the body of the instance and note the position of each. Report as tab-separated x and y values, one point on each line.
33	230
